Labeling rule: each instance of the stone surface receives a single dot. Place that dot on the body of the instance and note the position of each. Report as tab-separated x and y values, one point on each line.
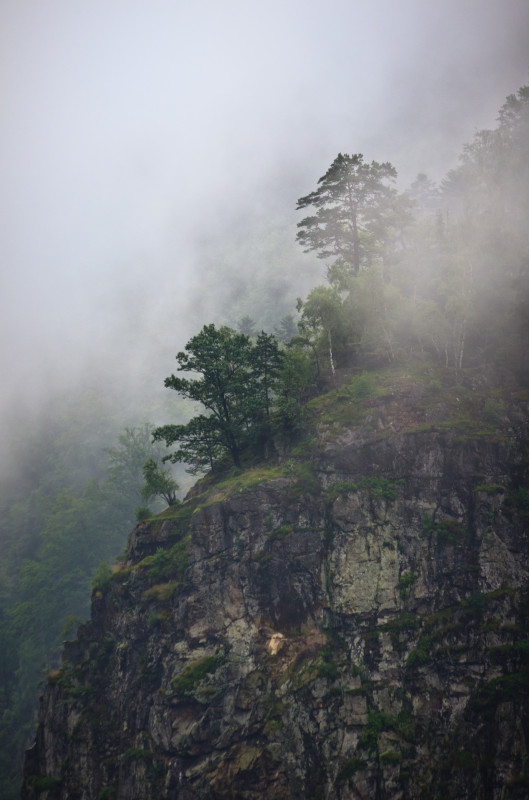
363	635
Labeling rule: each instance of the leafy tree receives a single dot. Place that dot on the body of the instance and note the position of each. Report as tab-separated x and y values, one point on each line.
267	360
237	379
425	195
265	365
246	325
81	530
54	538
353	211
125	472
200	443
158	483
287	328
323	310
296	383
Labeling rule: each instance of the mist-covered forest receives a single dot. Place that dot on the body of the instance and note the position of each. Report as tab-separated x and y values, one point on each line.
437	274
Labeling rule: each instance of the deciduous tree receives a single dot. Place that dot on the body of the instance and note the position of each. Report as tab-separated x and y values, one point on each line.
236	387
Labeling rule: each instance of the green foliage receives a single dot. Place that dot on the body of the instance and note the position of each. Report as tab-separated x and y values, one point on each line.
102	577
287	329
421	655
323	321
167	563
306	479
158	483
493	410
352	212
161	593
192	674
490	488
391	758
406	581
400	624
78	528
361	386
521	498
295	387
142	513
448	531
238	480
378	488
377	721
350	767
327	667
237	384
246	326
452	289
428	523
125	471
453	283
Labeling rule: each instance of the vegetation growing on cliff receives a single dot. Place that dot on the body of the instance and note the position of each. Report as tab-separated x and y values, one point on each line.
444	284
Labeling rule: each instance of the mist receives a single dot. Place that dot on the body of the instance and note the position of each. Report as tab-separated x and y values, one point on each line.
149	149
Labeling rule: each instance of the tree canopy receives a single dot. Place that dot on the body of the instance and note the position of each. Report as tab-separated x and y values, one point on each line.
237	382
353	206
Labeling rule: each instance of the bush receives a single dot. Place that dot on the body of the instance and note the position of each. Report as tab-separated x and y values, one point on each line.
378	488
421	655
193	673
102	577
349	768
165	564
493	410
362	386
391	758
406	581
142	513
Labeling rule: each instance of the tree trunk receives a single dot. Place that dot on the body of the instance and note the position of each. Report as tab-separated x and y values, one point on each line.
331	359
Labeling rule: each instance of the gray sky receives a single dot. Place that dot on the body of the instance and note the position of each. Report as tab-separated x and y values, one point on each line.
132	129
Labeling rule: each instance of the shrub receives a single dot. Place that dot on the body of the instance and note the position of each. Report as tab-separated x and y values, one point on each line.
142	513
390	758
167	563
493	410
193	673
421	655
522	498
362	386
328	670
161	592
349	768
102	577
307	482
406	581
378	488
377	721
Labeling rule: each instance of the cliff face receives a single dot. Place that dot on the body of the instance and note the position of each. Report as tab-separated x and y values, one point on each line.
352	623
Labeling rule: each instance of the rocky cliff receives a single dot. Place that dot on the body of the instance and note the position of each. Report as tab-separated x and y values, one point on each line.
351	622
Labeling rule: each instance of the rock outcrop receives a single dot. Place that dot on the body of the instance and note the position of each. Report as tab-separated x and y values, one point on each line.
350	623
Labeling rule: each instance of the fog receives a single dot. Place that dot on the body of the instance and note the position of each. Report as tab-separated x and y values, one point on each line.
147	149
